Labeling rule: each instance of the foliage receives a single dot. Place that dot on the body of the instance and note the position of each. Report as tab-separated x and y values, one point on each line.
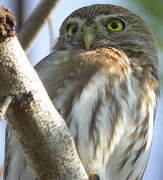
153	8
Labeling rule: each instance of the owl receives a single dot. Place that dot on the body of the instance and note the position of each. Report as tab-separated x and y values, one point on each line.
102	78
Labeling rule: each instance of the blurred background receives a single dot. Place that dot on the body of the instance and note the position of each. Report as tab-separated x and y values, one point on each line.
150	11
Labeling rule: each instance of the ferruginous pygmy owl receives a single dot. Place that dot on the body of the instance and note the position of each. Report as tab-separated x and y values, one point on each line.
102	77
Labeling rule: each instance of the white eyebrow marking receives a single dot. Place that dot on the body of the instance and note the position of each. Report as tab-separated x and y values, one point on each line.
76	20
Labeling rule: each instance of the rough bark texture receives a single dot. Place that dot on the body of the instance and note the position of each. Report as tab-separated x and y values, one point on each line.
46	140
33	25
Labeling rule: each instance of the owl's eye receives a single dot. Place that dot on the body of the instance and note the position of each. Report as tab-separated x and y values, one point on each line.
72	29
115	25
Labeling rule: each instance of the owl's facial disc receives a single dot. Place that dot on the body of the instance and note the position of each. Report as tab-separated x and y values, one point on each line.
99	26
89	34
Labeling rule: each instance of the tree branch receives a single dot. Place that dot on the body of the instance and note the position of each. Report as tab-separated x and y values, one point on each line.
34	23
1	171
21	10
51	30
46	140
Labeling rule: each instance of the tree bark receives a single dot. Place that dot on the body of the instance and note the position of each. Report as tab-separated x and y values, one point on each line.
46	140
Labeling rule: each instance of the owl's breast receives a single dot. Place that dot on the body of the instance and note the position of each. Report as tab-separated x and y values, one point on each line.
86	110
102	119
91	110
104	109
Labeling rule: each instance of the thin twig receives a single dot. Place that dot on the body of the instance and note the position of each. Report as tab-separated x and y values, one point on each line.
21	9
34	23
1	171
6	101
51	30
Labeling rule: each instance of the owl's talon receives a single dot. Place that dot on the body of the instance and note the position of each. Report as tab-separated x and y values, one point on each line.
94	176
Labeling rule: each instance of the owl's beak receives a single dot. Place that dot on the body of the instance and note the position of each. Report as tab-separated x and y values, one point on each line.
88	36
88	39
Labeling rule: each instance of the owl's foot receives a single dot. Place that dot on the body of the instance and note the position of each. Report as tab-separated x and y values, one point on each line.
94	176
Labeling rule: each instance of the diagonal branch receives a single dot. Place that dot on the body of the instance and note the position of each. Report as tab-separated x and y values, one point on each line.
33	25
46	140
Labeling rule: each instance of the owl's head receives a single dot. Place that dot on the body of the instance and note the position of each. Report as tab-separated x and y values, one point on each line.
105	25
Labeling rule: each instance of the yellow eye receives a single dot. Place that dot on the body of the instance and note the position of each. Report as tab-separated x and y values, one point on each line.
72	30
115	25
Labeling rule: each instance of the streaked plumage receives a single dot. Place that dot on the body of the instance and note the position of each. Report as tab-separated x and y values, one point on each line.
106	90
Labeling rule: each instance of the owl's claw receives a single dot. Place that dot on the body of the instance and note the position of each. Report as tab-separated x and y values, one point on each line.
94	176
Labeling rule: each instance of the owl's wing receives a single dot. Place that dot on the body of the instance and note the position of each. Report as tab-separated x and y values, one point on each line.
46	70
16	166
